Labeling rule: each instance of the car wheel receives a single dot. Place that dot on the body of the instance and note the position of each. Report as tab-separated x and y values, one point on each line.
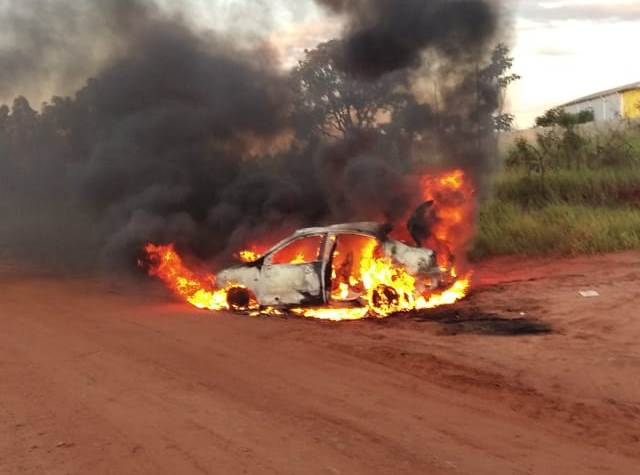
384	300
240	299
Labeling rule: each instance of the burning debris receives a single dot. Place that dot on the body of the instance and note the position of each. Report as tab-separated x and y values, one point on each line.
340	272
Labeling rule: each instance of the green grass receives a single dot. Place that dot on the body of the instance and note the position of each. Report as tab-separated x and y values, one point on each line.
603	187
634	141
572	212
558	228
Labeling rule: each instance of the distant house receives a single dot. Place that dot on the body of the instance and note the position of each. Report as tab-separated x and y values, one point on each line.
620	102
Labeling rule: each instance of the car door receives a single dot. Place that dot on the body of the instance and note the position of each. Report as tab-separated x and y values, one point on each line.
349	252
293	273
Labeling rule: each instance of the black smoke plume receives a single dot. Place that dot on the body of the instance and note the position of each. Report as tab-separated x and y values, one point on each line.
387	35
194	137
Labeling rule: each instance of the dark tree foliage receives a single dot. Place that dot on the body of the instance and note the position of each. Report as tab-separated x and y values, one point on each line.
498	73
558	116
334	103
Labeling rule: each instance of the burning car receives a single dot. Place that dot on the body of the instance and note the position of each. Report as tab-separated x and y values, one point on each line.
340	272
332	265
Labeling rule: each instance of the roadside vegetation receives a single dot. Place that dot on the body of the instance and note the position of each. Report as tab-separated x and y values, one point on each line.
569	192
558	116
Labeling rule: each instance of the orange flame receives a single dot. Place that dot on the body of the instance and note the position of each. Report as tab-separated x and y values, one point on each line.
454	200
249	255
197	289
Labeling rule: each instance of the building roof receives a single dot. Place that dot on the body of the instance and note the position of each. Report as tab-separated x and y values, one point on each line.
608	92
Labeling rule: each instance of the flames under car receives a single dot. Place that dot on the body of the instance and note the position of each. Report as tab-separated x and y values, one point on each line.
321	266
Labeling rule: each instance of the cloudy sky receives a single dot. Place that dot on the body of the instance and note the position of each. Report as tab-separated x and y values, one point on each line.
567	49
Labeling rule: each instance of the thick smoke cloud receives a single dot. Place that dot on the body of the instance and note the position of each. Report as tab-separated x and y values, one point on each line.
192	137
144	150
387	35
51	45
384	36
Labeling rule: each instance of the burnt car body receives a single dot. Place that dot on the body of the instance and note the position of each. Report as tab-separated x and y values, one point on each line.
301	269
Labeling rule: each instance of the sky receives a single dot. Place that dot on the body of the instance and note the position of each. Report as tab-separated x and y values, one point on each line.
567	49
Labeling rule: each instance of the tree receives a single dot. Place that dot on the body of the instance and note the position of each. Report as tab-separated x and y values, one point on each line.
4	116
549	118
334	104
21	111
497	74
21	124
558	116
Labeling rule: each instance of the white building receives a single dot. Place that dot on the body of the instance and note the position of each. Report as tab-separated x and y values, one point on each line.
620	102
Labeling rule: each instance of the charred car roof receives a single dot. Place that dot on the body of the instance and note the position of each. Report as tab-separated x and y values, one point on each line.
368	228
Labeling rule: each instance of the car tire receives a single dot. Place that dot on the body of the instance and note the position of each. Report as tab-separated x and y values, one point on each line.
240	299
384	299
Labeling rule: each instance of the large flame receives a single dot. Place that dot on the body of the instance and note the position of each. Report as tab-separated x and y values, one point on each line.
198	289
454	200
380	285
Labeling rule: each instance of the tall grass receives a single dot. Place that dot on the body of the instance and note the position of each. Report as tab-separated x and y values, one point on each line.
599	187
560	228
565	210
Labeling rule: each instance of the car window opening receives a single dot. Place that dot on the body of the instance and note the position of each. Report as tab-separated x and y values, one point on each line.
301	251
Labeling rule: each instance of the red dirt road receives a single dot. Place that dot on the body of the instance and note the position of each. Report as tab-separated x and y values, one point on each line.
96	378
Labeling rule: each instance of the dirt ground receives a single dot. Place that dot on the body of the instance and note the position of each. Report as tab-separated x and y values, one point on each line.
526	376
